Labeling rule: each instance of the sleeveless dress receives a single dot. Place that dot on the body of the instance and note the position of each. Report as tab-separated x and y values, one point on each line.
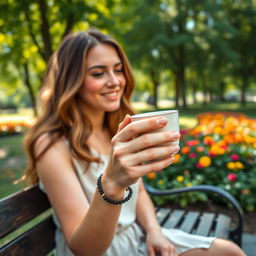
129	239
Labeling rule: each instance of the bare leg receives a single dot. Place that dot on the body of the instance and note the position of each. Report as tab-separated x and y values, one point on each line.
219	247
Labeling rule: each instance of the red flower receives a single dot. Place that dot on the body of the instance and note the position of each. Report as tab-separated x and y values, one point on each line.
232	177
198	165
235	157
211	154
192	142
192	155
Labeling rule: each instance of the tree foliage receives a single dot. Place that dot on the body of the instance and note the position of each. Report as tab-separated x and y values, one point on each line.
202	44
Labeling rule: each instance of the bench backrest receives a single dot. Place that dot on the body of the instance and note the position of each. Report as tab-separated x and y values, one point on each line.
19	209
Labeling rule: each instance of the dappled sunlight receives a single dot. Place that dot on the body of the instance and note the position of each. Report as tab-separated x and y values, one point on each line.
21	179
3	153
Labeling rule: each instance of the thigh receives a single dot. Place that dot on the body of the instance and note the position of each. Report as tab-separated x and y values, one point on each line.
218	247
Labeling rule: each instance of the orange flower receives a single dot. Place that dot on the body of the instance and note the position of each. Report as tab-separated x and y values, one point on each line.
185	150
205	161
200	149
229	139
245	191
151	175
217	150
218	130
208	140
176	158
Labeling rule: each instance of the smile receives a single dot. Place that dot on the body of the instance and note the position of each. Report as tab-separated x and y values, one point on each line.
110	94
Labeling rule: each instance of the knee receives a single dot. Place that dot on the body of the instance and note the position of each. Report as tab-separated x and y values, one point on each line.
227	248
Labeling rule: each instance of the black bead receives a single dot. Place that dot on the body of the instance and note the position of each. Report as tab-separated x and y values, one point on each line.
107	199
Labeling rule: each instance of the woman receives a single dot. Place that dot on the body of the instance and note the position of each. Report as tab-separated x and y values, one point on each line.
86	161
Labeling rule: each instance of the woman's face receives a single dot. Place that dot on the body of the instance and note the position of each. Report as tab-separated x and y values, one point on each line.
104	80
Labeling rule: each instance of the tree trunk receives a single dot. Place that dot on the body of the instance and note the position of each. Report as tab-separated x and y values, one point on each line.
177	91
70	21
245	80
45	29
204	91
29	87
155	80
194	92
222	90
182	86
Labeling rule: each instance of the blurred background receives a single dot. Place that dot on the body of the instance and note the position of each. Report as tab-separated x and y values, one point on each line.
192	55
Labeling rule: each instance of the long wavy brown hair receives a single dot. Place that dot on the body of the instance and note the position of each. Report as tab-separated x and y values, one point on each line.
60	114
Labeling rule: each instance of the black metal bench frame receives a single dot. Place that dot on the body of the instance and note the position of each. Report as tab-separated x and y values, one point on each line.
24	206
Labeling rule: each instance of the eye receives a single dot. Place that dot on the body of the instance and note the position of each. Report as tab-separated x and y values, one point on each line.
97	74
120	70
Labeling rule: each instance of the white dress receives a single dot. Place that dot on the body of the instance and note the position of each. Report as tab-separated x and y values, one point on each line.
129	239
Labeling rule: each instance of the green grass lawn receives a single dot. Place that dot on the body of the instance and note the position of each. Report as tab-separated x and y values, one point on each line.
12	164
12	159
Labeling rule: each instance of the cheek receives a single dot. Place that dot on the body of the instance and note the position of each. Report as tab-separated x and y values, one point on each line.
91	85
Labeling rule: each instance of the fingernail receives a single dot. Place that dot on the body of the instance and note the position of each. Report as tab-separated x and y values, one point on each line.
175	135
176	148
162	121
171	159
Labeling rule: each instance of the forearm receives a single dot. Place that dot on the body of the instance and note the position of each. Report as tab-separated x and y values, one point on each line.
145	211
95	234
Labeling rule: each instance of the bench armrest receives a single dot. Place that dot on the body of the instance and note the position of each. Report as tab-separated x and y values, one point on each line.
204	188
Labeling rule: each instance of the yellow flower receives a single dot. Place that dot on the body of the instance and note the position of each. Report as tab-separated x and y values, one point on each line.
188	184
161	182
239	165
205	161
231	165
180	178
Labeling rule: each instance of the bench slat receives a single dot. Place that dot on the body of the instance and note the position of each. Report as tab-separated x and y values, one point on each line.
39	240
21	207
174	219
206	224
190	220
222	226
162	215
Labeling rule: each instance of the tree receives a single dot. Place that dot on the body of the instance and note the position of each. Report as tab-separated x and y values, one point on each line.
33	29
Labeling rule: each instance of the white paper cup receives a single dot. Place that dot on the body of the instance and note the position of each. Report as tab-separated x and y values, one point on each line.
172	117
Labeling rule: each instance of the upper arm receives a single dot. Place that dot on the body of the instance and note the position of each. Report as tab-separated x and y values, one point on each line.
56	171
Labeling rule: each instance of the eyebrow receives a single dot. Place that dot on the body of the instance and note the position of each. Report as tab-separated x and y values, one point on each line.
102	66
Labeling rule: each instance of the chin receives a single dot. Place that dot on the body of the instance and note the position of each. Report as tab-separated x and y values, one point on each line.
113	108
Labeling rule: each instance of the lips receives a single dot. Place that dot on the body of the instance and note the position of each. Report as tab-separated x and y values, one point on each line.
110	94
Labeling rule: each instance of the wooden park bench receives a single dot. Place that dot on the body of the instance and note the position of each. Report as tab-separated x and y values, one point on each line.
38	239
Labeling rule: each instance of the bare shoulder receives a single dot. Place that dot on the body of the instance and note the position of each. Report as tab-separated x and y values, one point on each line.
57	158
44	140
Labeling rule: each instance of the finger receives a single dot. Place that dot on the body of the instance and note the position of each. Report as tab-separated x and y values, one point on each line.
144	169
125	122
133	129
153	139
151	251
148	140
150	154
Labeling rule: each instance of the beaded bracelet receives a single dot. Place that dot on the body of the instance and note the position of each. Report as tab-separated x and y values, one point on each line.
99	186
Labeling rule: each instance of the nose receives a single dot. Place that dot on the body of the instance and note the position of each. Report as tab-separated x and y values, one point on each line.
112	80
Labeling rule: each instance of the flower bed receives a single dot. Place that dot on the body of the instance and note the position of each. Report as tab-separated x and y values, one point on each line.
14	124
220	151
